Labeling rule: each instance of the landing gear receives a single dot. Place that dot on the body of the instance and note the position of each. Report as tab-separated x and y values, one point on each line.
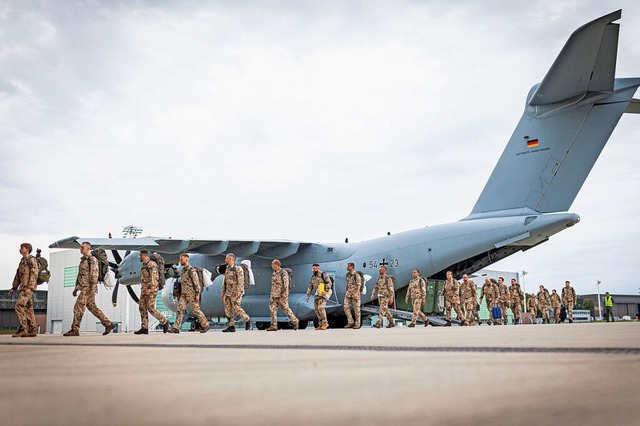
337	321
196	326
262	325
303	324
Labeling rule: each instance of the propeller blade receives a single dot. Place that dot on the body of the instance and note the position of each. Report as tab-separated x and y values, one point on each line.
132	294
114	295
116	256
220	269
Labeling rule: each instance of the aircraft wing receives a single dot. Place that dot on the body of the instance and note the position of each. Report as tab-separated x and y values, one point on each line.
242	248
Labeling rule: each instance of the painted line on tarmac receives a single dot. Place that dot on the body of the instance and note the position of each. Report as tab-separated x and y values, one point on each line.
479	349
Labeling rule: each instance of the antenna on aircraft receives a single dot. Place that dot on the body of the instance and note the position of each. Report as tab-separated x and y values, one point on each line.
131	231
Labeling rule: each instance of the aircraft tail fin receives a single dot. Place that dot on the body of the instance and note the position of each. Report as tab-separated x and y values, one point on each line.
568	119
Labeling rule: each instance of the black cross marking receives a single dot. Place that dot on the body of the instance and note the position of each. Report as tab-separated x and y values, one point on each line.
384	262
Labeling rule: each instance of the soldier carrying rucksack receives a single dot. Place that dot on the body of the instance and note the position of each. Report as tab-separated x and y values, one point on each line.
232	291
85	291
280	288
25	282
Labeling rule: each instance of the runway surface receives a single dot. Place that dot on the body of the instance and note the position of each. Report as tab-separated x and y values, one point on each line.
587	374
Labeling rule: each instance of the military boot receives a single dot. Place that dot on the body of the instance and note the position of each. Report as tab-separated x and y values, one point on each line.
448	324
142	331
350	325
296	325
324	326
108	329
570	321
376	325
247	325
31	334
412	324
272	328
205	328
230	329
391	324
165	327
174	331
20	333
71	333
426	322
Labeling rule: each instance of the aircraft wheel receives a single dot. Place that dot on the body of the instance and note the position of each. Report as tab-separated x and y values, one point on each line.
337	322
262	325
303	324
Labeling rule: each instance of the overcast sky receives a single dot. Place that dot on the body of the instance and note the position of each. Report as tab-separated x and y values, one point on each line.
309	121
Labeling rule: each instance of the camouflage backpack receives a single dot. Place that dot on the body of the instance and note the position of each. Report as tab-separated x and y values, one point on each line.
160	262
43	268
289	272
200	276
247	278
103	263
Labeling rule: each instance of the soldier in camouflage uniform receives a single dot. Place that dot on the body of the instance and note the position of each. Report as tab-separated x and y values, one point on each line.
532	307
556	304
503	299
232	292
25	281
517	297
544	301
190	290
319	299
87	286
451	293
417	290
569	299
353	282
280	288
490	292
384	288
148	292
469	294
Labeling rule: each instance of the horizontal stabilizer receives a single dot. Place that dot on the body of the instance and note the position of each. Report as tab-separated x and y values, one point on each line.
633	107
586	63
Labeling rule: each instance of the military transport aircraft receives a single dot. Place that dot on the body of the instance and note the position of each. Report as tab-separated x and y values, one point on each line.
567	120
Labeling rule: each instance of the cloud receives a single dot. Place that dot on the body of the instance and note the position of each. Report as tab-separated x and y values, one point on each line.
310	121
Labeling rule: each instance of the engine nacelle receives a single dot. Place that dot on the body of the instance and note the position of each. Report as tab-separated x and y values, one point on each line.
167	295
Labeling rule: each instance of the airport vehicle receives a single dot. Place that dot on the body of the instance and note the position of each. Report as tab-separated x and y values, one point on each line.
567	120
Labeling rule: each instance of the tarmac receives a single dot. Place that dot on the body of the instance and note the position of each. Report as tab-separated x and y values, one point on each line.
572	374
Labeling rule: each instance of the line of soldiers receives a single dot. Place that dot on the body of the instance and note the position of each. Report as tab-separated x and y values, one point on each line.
512	297
85	290
543	301
458	296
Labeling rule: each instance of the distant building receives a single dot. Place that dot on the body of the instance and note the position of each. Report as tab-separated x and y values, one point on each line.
623	304
8	318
